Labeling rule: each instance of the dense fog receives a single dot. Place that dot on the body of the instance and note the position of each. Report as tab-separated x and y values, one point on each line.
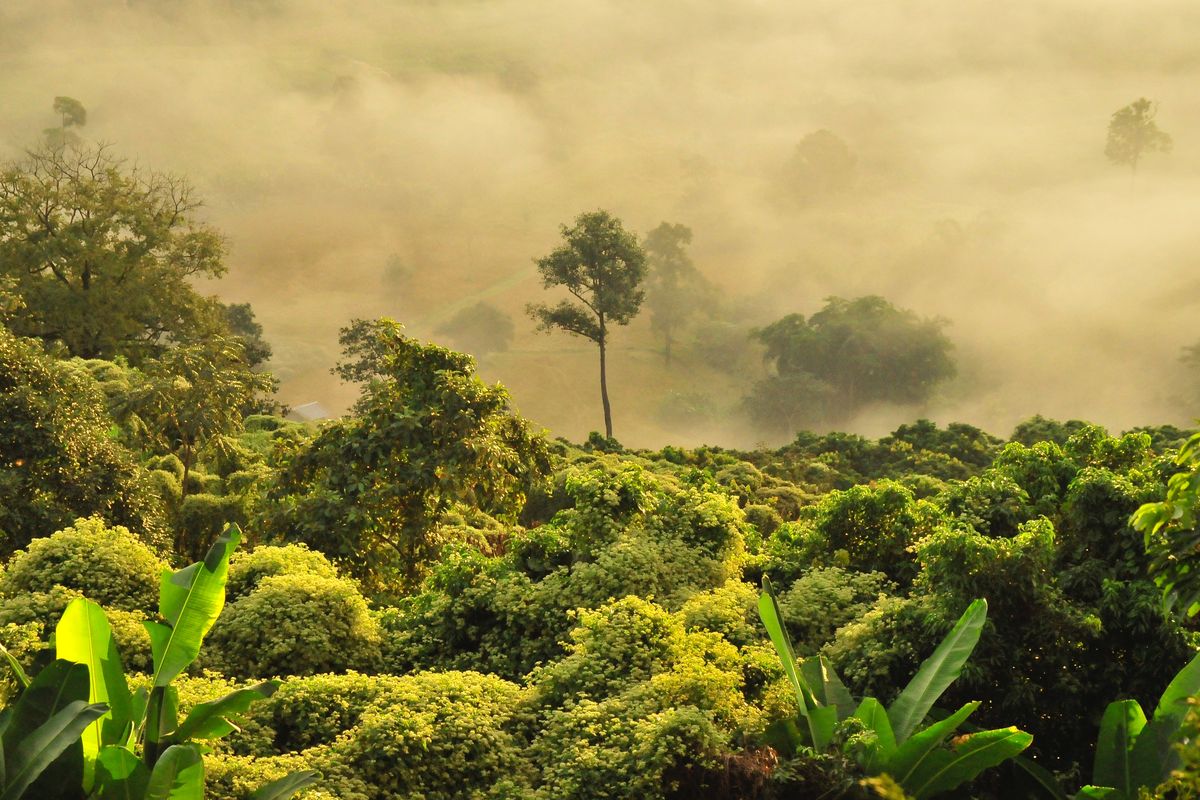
412	159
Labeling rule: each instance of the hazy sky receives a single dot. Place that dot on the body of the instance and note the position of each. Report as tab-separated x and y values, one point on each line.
329	137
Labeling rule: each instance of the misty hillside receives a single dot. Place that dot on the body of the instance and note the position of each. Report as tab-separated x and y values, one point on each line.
453	138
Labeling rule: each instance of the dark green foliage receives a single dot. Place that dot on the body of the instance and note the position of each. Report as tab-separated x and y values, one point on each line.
848	354
868	528
627	532
371	489
480	329
298	624
1040	429
823	600
58	461
202	516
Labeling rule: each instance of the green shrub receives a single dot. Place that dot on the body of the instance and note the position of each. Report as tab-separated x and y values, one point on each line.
203	483
133	642
314	711
874	525
294	625
629	532
167	463
613	647
23	641
235	777
108	565
436	736
631	747
823	600
166	486
730	610
247	569
764	518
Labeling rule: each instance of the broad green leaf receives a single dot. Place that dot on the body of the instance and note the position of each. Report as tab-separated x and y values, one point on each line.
1173	704
826	686
909	755
1101	793
772	619
51	690
944	770
41	747
209	720
120	775
286	786
821	720
1119	729
84	636
178	775
874	717
15	667
190	600
1154	753
937	672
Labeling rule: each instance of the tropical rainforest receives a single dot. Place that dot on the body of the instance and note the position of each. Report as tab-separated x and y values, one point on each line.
431	410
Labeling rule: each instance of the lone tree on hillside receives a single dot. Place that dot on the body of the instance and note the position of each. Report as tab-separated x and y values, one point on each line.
602	266
71	114
821	168
675	289
848	354
1132	132
480	329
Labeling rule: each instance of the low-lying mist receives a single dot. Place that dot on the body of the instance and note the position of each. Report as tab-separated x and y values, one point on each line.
412	158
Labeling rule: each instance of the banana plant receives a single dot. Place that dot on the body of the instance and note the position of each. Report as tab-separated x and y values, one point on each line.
41	754
133	745
917	759
1132	752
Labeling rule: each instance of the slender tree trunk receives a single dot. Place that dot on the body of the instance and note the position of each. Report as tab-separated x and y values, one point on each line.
667	349
604	382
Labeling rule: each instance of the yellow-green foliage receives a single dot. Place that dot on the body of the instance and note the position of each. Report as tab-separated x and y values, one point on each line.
629	532
247	568
436	736
730	610
294	625
108	565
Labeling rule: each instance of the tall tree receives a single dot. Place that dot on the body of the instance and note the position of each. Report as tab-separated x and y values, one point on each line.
103	254
1133	132
675	289
71	114
371	490
602	266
